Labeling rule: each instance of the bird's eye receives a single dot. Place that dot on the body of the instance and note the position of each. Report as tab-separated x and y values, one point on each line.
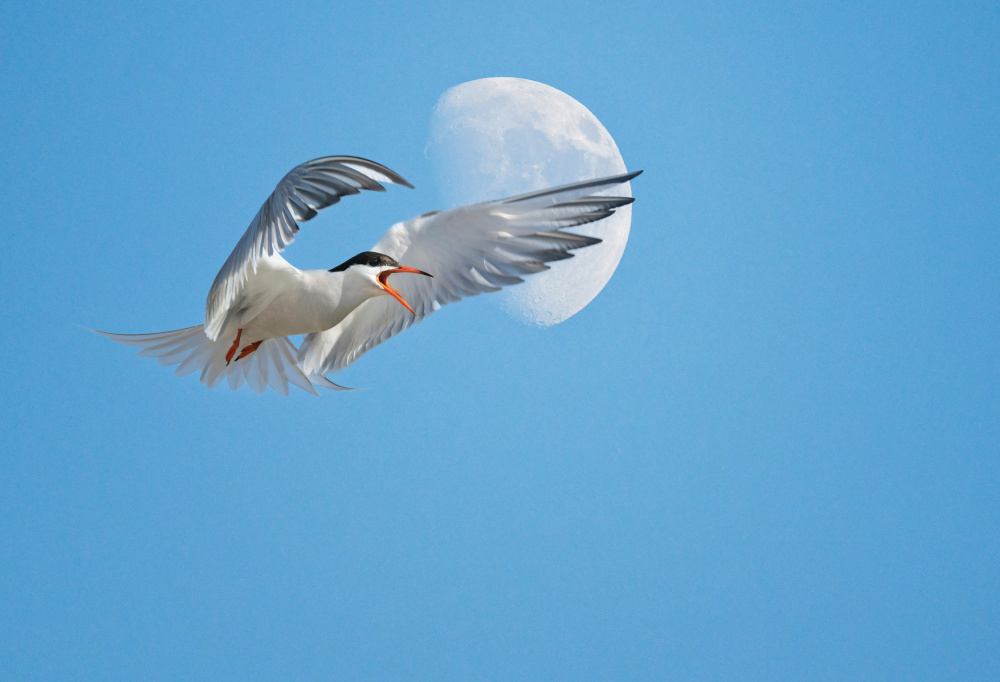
373	261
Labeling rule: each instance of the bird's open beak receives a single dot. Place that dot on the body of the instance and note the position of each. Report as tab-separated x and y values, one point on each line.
383	280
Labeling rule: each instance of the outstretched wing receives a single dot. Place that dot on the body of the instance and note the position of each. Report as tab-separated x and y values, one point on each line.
309	187
469	250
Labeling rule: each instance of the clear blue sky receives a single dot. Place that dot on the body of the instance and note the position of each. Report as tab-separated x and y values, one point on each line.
767	451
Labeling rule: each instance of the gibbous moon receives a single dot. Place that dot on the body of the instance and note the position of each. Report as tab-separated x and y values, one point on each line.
497	137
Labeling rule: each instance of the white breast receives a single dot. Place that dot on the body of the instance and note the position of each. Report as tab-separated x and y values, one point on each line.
307	301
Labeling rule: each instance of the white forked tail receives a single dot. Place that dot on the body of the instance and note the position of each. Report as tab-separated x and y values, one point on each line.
272	364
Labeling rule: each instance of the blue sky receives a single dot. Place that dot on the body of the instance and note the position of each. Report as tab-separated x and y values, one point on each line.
767	451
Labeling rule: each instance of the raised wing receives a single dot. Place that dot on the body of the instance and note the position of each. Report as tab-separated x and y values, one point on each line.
306	189
470	250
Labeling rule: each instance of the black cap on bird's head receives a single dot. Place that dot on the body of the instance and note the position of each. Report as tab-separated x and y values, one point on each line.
371	259
385	265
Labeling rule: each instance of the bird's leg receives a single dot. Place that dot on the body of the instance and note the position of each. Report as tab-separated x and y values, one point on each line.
236	344
249	349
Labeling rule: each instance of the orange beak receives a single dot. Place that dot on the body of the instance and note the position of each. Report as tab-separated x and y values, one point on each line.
383	280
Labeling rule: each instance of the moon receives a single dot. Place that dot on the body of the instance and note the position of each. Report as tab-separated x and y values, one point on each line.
497	137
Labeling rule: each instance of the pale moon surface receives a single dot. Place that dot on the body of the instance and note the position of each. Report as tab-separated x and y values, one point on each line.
497	137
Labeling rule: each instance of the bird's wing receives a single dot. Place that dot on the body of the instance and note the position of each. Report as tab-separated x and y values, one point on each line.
469	250
306	189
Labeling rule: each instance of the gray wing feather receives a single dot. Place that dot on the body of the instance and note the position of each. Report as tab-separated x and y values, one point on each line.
470	250
305	190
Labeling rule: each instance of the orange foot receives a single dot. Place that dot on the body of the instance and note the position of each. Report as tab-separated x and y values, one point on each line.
249	349
236	344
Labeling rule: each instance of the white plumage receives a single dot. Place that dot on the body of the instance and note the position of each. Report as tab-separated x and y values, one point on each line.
258	299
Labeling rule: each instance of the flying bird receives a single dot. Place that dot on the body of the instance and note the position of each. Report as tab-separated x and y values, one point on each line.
258	299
